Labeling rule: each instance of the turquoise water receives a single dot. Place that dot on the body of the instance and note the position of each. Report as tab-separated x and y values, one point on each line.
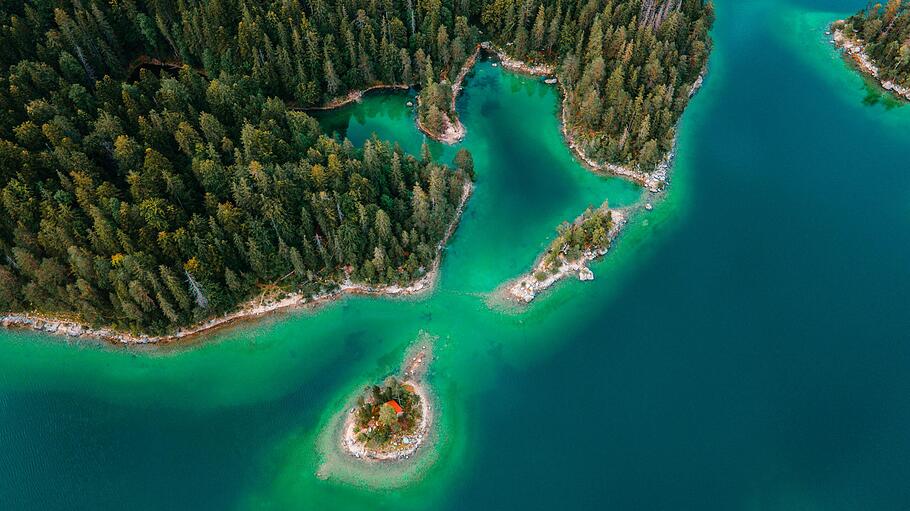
744	346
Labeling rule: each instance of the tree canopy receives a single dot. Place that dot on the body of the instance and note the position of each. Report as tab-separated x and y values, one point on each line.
885	31
628	66
156	169
154	173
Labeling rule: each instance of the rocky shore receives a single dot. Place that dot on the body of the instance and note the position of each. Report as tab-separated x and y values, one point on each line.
528	286
402	449
519	66
654	181
413	369
255	308
854	48
453	132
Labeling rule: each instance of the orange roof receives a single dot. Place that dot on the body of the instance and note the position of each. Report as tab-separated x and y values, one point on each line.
395	406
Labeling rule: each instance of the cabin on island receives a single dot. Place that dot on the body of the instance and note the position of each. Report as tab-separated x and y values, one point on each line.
395	406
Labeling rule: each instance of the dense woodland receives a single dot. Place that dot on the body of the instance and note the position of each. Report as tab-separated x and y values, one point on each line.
885	29
628	66
155	168
151	196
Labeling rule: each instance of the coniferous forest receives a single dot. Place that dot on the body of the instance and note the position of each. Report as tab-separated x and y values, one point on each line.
627	66
156	168
885	31
153	173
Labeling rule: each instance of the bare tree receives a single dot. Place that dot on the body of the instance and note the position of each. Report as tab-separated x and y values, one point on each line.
198	293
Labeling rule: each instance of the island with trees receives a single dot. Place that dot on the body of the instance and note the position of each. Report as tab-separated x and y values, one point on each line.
387	422
576	244
391	421
877	41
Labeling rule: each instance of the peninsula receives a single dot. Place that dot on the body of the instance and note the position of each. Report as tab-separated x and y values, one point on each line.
876	41
622	98
159	183
584	240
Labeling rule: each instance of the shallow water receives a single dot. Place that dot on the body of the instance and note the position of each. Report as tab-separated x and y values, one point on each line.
744	346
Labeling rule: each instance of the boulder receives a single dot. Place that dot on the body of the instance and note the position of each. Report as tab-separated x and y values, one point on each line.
585	274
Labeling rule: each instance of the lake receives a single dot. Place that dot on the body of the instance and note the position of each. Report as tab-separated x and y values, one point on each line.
743	346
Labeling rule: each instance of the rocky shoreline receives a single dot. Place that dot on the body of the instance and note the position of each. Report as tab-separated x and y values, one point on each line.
519	66
253	309
654	181
854	48
527	287
413	369
410	443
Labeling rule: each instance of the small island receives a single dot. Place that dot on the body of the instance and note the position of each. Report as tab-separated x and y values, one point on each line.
391	421
586	239
387	423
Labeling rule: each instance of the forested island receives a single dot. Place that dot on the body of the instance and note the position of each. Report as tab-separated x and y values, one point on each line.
386	421
158	169
391	421
576	244
877	39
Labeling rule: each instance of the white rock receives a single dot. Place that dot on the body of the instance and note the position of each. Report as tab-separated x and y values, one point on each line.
585	274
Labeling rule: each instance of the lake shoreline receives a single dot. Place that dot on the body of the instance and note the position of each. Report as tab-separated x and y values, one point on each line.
654	181
356	449
251	310
415	365
526	287
355	96
256	309
855	51
454	131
